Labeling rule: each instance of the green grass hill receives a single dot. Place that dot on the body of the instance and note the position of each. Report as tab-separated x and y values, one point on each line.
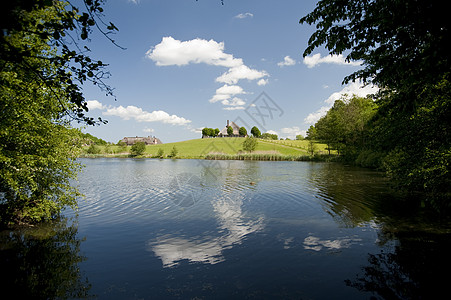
200	148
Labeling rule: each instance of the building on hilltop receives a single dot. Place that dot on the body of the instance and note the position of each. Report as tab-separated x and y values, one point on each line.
150	140
236	130
211	133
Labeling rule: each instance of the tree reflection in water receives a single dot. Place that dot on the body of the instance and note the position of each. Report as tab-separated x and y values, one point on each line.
416	268
42	262
415	258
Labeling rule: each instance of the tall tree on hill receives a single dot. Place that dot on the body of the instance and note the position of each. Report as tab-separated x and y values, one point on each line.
255	132
243	131
230	131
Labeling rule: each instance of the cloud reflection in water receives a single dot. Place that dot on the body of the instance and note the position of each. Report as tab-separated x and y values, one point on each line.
233	227
316	244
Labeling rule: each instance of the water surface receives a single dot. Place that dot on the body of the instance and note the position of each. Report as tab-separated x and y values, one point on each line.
195	229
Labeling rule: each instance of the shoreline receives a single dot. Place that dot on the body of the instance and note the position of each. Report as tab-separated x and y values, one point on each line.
242	156
220	149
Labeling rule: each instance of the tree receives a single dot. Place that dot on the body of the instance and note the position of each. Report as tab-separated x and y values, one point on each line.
311	133
415	148
403	44
230	131
343	126
90	139
93	149
42	67
160	153
404	49
38	152
255	132
174	152
242	131
108	149
269	136
38	148
250	144
311	147
122	146
210	132
205	132
299	137
64	27
138	149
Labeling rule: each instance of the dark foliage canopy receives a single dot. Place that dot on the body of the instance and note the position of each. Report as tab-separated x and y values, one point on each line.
66	32
403	45
401	42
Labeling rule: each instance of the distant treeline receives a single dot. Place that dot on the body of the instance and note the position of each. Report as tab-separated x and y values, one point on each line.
89	139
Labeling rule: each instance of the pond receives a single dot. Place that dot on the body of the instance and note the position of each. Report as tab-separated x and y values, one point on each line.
197	229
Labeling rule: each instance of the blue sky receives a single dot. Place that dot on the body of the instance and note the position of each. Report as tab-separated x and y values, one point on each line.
192	64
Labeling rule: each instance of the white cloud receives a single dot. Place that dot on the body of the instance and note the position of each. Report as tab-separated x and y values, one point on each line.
292	132
197	130
225	94
349	90
234	108
234	74
174	52
262	82
219	97
138	114
94	104
287	61
233	102
171	52
353	88
245	15
316	59
312	118
272	132
230	90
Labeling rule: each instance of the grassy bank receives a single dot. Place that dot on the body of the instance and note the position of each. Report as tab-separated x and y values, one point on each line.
268	157
217	148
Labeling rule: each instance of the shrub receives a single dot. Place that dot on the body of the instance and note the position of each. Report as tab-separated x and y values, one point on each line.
250	144
93	149
269	136
160	153
138	149
122	146
299	137
174	152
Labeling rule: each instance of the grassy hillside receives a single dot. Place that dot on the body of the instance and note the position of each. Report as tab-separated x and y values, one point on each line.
199	148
